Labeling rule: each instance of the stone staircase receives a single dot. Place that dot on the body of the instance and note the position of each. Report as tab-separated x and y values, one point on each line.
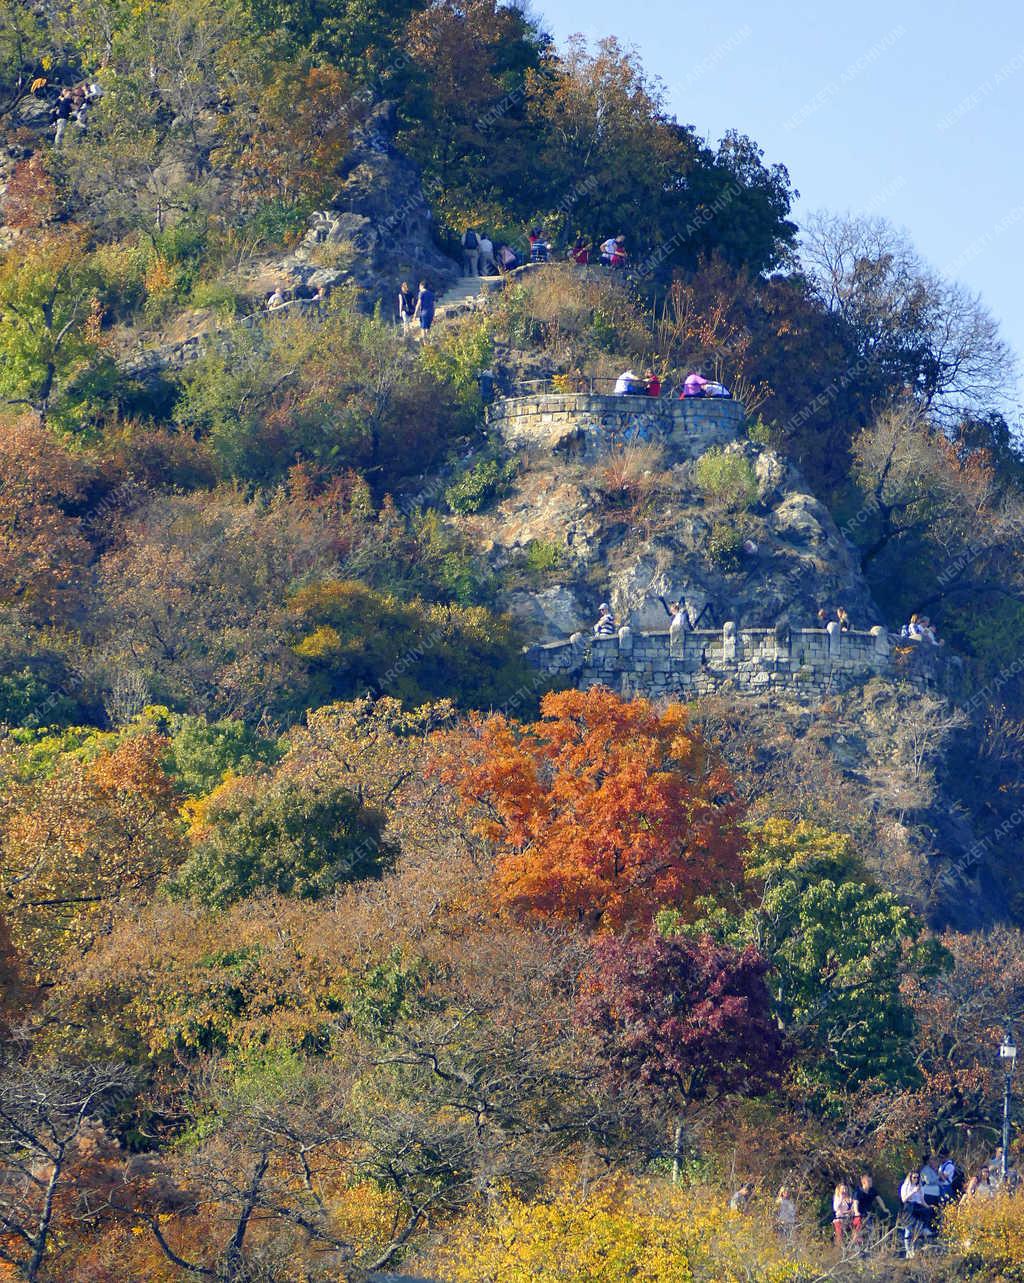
471	292
466	287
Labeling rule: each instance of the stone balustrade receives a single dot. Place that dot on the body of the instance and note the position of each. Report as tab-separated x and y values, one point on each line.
810	662
588	424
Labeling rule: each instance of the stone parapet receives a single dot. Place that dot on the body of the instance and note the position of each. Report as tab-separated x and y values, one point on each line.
810	662
588	424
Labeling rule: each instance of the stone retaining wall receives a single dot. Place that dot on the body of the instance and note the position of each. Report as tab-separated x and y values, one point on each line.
810	662
588	424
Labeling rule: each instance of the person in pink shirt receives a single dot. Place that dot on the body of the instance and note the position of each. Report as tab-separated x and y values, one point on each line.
694	385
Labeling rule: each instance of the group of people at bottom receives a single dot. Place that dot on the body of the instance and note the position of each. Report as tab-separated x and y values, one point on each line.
861	1212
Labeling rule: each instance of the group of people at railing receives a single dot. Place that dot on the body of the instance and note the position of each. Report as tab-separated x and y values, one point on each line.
920	629
681	619
629	383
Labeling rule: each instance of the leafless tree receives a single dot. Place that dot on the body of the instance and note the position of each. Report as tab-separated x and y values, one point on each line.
912	327
45	1112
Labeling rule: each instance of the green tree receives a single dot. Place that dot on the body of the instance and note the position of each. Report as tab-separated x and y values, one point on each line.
359	641
50	355
201	753
839	949
610	150
259	833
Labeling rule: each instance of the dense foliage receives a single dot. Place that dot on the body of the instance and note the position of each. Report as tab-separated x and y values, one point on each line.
332	939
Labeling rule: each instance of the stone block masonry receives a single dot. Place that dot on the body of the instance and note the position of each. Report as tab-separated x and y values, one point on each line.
811	663
588	424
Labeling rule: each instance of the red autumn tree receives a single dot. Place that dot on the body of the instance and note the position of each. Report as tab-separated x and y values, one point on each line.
602	812
688	1018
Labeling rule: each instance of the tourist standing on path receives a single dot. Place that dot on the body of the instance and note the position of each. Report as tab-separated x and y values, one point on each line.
488	267
406	306
425	309
470	253
785	1213
844	1213
61	114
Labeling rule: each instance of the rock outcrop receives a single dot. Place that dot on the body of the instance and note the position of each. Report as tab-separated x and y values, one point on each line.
659	536
377	230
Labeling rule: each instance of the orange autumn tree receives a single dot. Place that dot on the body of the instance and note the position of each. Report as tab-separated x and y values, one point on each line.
602	812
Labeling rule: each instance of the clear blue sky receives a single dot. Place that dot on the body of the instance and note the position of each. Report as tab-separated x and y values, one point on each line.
910	110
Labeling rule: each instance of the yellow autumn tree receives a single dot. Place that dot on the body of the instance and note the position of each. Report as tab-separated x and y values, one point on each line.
83	843
623	1231
989	1235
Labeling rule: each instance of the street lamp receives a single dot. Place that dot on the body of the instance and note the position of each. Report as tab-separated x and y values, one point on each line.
1007	1058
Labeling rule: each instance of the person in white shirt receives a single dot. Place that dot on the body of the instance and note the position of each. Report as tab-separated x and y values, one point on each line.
930	1181
488	267
276	300
914	1202
980	1186
608	250
626	383
844	1213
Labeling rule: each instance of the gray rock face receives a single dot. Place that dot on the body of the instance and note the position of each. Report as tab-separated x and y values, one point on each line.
662	544
380	214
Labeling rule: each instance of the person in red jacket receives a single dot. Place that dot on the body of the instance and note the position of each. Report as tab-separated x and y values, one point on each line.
653	383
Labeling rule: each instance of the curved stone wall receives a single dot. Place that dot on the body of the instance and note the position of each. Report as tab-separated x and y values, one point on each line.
810	662
588	424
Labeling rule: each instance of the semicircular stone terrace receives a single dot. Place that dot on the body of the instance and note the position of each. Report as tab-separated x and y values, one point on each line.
589	424
810	662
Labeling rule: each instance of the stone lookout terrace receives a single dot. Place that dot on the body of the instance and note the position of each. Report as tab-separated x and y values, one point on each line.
809	662
590	422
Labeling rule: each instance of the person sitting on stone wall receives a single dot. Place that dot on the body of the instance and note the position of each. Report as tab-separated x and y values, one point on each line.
694	385
276	299
844	619
605	626
652	384
620	256
824	618
627	384
920	629
714	388
580	252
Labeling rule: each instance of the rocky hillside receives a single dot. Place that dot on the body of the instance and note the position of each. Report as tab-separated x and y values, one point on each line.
631	529
891	764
